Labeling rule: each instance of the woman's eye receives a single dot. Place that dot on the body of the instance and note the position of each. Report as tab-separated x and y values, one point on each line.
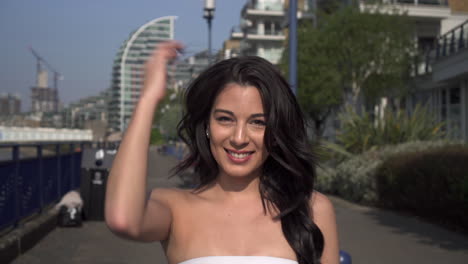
258	122
223	119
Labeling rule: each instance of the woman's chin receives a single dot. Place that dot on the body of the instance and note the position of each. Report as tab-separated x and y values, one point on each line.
241	174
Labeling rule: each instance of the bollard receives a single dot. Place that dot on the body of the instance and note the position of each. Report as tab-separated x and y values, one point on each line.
345	258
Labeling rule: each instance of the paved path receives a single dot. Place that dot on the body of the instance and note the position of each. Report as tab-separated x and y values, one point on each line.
93	243
370	235
374	236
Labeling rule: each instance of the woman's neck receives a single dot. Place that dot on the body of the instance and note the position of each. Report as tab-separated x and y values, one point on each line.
237	188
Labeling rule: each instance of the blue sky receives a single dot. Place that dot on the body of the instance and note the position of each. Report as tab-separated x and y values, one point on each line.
80	38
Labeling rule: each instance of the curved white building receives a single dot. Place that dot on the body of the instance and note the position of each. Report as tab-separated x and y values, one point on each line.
127	71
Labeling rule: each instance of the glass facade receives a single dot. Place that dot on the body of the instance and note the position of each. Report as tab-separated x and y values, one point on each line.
127	74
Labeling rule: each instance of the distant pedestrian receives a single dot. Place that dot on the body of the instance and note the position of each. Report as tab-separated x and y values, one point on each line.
254	202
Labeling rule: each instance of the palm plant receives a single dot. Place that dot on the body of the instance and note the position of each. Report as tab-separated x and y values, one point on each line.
363	132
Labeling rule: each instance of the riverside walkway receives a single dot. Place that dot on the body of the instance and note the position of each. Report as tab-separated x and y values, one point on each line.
369	235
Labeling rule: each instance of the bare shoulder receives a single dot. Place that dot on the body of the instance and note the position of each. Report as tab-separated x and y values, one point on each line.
165	192
320	204
168	196
324	217
159	214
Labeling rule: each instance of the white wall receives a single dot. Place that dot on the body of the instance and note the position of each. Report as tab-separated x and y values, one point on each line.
28	134
451	22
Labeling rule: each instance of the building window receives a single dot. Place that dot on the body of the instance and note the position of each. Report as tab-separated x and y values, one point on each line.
450	111
425	44
454	114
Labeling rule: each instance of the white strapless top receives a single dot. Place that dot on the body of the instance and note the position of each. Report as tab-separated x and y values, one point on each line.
239	260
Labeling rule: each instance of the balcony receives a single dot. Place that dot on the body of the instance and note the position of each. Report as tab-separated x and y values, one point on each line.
452	42
263	9
409	2
434	9
422	2
451	58
236	35
269	35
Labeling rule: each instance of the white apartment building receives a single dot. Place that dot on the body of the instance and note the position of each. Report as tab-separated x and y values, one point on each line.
187	69
443	87
432	18
262	25
127	72
231	46
441	77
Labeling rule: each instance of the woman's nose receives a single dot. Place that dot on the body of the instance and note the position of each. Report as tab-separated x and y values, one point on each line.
239	137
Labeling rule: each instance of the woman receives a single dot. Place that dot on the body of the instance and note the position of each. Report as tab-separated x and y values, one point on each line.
255	201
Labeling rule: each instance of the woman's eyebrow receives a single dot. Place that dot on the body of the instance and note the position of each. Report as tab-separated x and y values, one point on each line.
223	111
232	114
257	115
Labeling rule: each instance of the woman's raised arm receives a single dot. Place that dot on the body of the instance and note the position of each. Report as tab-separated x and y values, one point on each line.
125	205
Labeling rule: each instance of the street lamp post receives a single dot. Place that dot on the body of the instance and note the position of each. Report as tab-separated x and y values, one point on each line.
208	15
293	45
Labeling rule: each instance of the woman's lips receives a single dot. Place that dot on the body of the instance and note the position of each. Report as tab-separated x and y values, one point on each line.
239	156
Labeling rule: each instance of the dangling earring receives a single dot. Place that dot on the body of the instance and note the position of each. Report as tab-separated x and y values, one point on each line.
207	134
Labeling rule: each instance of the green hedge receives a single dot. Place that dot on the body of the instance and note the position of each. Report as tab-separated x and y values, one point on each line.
432	184
355	178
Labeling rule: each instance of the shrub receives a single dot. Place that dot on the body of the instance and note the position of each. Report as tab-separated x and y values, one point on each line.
363	132
355	178
156	137
326	180
431	183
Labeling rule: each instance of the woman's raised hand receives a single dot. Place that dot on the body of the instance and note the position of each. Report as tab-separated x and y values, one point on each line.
154	87
125	207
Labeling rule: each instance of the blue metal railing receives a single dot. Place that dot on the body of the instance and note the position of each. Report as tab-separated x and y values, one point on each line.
28	185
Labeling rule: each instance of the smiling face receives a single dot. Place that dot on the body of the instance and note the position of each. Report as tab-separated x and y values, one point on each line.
236	131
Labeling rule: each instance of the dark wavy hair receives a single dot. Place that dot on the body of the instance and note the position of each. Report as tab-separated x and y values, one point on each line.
288	176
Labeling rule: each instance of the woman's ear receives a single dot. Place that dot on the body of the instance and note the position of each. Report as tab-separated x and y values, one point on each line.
207	130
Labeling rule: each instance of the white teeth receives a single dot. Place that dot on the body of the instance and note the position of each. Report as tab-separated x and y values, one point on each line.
238	155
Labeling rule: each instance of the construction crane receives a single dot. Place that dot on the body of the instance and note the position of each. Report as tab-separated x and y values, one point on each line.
57	76
40	62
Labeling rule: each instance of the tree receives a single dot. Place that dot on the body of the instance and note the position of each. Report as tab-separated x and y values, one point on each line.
318	90
169	120
352	55
168	114
371	51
